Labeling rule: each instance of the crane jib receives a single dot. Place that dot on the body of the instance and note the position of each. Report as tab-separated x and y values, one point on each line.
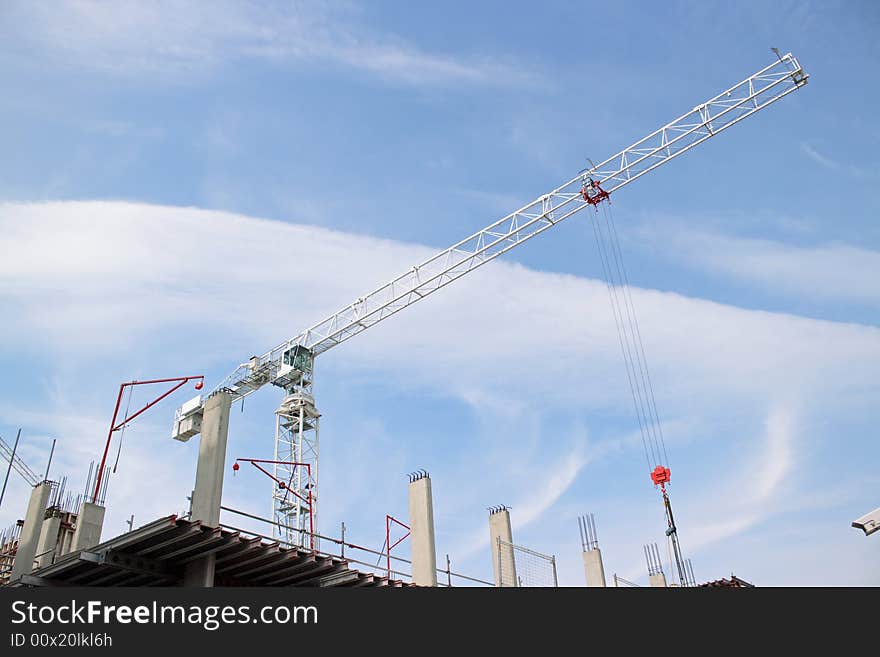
280	366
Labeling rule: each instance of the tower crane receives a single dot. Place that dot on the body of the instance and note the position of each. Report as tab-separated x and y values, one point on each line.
291	364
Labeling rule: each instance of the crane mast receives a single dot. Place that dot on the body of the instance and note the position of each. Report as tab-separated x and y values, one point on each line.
290	365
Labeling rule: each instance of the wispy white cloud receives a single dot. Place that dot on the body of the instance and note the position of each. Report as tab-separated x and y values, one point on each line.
199	264
99	288
175	38
834	165
829	271
203	261
557	478
818	157
753	494
777	460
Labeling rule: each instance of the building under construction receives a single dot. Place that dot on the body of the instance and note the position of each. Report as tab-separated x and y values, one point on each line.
59	540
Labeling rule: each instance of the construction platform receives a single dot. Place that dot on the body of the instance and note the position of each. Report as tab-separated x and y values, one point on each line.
157	554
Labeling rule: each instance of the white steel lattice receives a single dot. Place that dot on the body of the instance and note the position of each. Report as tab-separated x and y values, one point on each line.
692	128
296	442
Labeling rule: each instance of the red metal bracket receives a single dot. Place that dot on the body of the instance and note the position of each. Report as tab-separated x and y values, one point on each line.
285	485
114	426
388	521
597	197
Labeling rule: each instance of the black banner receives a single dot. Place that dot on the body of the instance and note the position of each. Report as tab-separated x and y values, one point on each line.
111	619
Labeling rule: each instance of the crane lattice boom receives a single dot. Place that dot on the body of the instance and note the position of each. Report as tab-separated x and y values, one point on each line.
694	127
290	364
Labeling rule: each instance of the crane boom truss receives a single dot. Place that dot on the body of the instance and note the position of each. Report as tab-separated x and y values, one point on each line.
675	138
290	364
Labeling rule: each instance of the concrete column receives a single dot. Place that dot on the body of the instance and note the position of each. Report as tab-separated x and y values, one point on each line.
89	524
30	532
657	580
212	460
208	493
47	546
503	562
593	569
200	572
421	528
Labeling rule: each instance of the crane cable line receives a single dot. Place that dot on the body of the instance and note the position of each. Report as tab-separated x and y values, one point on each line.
638	333
629	337
647	385
624	345
644	389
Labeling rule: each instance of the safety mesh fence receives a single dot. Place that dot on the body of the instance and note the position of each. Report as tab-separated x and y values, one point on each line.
520	566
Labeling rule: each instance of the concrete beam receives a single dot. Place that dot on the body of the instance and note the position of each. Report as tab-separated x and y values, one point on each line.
500	542
32	580
212	460
421	536
657	580
30	532
89	524
593	569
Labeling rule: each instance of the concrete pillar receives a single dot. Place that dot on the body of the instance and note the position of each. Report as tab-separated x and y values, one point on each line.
208	493
47	546
593	569
200	572
89	524
30	533
657	580
503	563
212	460
421	528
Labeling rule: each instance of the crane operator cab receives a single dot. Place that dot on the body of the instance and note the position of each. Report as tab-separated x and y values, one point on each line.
295	368
592	192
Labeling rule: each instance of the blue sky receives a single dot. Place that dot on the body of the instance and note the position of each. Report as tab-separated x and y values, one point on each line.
187	185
